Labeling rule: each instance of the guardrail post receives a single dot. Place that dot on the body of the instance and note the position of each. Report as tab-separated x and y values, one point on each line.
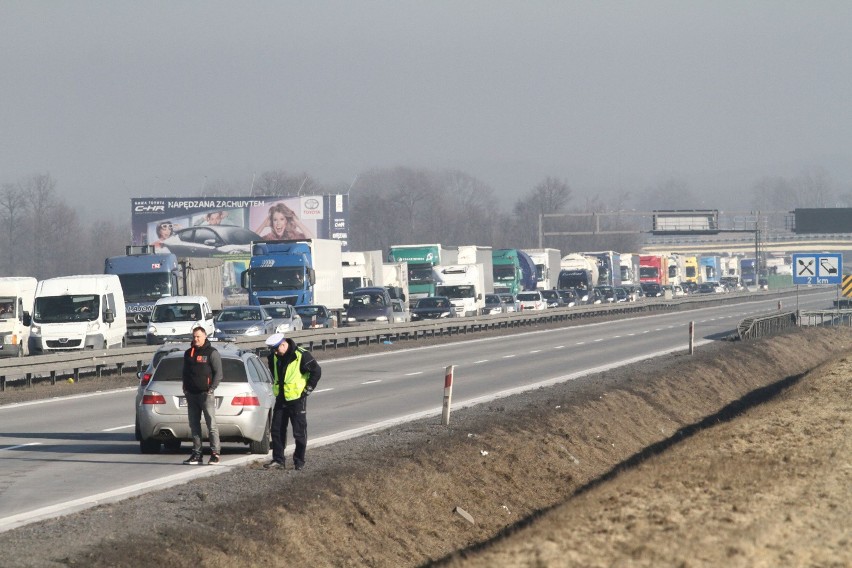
53	377
119	367
2	383
691	337
448	394
77	374
29	380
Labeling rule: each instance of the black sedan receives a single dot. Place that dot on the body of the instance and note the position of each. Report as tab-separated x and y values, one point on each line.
315	316
433	307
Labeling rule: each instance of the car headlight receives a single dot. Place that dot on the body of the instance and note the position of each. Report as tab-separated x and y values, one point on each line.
445	314
253	330
382	318
351	319
217	330
35	330
152	329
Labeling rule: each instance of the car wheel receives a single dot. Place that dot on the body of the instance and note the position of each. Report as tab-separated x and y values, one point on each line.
262	446
172	445
150	446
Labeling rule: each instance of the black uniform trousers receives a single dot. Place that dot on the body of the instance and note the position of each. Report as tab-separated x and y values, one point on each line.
294	412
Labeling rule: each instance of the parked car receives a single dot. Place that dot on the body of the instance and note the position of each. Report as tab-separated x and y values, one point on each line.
285	318
553	299
432	307
531	300
211	240
510	302
244	320
315	316
244	401
369	305
652	289
569	297
493	305
400	311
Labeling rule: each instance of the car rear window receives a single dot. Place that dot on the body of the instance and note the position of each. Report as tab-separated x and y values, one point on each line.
529	297
171	369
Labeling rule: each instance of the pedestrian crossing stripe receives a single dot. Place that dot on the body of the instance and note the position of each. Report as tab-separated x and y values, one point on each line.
846	287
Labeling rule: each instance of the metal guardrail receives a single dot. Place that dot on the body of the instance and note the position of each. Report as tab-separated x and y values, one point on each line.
764	326
826	318
76	364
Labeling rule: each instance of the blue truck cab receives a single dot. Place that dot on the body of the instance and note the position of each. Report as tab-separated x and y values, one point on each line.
145	278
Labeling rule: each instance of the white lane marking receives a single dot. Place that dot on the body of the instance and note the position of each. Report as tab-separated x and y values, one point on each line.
323	390
481	361
507	356
597	340
536	351
64	398
559	347
580	343
631	334
659	329
21	446
119	428
371	382
412	374
616	336
646	331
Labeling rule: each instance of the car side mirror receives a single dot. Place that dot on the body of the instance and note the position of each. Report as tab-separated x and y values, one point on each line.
479	296
109	317
27	319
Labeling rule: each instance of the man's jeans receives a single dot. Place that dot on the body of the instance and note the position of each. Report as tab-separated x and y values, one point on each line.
198	404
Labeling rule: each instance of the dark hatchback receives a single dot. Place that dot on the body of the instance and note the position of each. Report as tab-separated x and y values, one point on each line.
433	307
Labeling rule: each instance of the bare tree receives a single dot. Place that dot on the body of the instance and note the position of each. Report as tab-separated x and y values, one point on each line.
39	192
279	182
13	207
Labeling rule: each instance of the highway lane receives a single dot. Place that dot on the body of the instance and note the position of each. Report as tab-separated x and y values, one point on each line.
69	450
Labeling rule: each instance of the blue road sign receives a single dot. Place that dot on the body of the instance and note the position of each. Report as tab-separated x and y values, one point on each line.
817	268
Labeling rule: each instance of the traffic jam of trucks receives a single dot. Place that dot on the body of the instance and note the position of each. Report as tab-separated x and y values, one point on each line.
106	311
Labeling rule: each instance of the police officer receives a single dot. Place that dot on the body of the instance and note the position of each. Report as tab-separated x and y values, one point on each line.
295	374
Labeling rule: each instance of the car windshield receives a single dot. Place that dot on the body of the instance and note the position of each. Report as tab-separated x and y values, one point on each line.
463	291
171	370
433	303
529	297
175	312
239	314
279	311
550	294
148	286
491	300
367	300
277	278
309	311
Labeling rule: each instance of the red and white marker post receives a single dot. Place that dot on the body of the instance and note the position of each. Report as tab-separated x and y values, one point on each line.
448	394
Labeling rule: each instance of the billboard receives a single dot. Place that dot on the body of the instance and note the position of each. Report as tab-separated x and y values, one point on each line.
225	227
826	220
686	222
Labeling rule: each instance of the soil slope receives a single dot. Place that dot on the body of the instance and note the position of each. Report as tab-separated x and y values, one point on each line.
648	465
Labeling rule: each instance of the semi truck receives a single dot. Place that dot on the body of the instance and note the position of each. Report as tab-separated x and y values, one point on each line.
547	265
675	270
395	277
298	272
514	271
748	272
690	269
578	272
609	267
422	260
629	268
361	270
709	269
16	308
466	286
654	268
147	276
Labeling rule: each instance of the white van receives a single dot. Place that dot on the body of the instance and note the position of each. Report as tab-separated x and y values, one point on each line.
78	312
16	307
173	318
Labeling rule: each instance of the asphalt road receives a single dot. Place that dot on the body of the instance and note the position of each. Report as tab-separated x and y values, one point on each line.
61	455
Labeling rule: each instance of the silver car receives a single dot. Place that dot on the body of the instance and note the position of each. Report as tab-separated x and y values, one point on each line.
285	317
244	402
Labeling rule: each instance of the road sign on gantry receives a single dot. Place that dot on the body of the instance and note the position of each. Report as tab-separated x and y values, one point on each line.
817	268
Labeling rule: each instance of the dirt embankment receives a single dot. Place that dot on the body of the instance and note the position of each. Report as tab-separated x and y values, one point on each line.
623	468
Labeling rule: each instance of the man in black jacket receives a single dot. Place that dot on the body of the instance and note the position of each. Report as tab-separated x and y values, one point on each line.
202	373
295	374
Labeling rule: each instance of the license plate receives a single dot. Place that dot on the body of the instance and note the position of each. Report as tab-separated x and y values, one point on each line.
182	402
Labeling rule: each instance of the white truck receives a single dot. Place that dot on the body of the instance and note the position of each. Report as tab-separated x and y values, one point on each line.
361	270
16	307
547	265
72	313
395	277
579	272
629	266
465	285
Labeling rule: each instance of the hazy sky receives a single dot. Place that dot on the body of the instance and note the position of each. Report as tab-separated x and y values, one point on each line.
119	99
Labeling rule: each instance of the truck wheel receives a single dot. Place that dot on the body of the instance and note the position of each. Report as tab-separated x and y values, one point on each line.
150	446
262	446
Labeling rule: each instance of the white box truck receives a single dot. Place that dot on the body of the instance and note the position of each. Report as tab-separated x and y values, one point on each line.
395	277
361	269
465	285
72	313
16	307
547	265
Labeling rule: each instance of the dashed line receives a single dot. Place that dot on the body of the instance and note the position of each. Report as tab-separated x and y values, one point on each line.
371	382
21	446
536	351
414	373
580	343
559	347
631	334
616	336
119	428
507	356
646	331
597	340
480	361
323	390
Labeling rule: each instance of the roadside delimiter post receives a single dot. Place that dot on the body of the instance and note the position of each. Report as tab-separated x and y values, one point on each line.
691	337
448	394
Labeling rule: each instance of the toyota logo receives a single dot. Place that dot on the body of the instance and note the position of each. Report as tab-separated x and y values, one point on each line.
312	203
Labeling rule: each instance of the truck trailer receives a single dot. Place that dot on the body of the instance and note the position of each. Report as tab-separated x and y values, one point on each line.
422	260
546	262
361	270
